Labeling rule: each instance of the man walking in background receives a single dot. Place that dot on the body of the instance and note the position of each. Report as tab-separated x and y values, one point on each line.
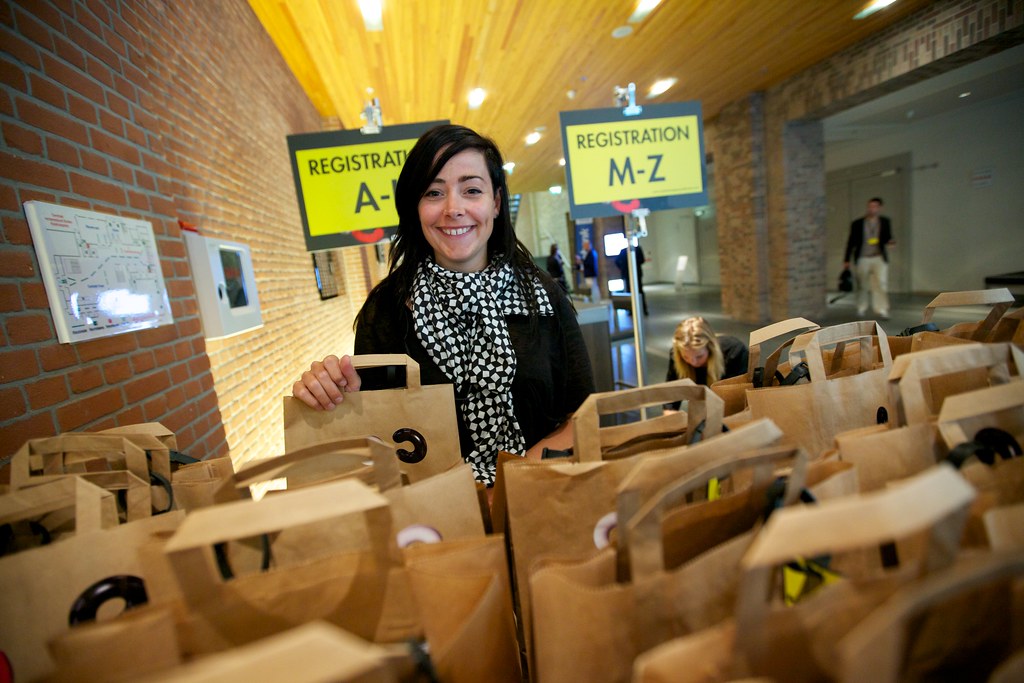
870	236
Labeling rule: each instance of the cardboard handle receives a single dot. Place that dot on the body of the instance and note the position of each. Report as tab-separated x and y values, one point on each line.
874	649
382	360
809	345
643	537
386	471
703	404
52	451
94	506
908	380
792	326
1000	301
988	407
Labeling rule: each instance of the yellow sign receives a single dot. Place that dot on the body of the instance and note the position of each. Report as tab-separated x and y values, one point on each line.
351	187
629	159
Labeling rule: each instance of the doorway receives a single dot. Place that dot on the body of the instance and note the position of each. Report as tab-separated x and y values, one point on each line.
847	192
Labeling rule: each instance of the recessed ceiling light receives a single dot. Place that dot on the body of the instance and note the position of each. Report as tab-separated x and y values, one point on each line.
966	93
561	162
621	31
872	7
509	167
373	14
571	94
477	97
555	189
533	138
661	86
643	8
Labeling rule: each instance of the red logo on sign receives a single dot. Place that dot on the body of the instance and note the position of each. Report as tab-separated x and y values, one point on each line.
625	207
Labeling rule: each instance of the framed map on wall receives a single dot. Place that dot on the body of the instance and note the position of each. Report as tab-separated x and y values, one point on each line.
102	272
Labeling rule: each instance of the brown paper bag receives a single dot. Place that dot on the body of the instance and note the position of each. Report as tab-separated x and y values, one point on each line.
45	587
921	381
421	415
999	299
202	484
924	514
74	453
137	642
1010	328
463	593
1000	482
555	507
813	414
310	653
334	558
733	390
590	625
591	442
63	506
882	647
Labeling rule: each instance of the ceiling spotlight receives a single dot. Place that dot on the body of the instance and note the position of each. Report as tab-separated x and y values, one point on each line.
477	97
966	93
872	7
661	86
571	94
509	167
561	162
621	31
555	189
533	138
373	14
643	8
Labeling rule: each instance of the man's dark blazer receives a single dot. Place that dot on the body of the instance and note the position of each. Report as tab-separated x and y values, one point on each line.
856	239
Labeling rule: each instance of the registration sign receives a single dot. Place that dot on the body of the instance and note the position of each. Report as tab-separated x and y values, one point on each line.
616	164
345	182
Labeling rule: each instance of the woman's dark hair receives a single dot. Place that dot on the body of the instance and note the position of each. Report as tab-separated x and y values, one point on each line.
426	159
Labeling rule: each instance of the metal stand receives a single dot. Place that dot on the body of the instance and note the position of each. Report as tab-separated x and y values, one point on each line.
636	227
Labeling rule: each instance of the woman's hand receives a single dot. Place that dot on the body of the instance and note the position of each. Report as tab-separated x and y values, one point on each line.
326	382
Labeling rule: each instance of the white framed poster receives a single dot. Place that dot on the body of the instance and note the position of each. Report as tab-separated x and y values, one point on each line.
102	272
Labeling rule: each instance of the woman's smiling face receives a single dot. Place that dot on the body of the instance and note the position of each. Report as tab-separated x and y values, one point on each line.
457	212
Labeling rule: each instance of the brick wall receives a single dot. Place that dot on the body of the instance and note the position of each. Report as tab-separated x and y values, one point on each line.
945	35
161	111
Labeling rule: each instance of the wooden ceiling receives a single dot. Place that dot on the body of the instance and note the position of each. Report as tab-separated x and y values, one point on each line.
528	54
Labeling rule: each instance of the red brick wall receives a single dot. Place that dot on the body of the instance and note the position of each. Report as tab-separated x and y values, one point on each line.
160	111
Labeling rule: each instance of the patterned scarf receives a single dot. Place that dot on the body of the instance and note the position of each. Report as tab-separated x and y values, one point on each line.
459	318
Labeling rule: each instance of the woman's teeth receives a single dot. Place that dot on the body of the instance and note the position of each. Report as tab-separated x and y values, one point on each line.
455	232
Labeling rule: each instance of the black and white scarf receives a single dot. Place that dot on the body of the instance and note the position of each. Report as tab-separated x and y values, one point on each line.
459	318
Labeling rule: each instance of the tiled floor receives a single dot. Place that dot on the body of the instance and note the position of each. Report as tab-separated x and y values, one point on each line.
668	307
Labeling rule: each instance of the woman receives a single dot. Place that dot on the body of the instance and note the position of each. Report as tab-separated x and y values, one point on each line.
465	300
702	356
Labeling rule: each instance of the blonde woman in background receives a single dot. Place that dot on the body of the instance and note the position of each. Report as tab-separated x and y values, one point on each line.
702	356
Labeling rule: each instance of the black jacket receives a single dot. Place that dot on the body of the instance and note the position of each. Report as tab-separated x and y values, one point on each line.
856	239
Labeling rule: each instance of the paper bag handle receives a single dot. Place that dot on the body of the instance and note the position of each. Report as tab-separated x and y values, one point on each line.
189	549
381	360
808	345
643	533
937	500
974	404
386	472
782	328
53	448
586	422
874	649
95	507
999	299
909	376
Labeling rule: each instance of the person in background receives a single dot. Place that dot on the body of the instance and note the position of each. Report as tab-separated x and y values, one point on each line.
556	267
700	355
464	299
622	261
589	264
869	238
